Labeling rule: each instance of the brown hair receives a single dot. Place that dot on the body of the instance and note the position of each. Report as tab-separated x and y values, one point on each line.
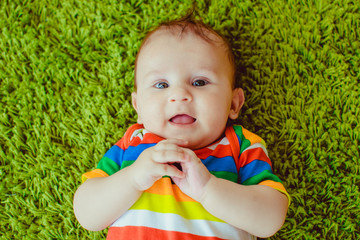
188	24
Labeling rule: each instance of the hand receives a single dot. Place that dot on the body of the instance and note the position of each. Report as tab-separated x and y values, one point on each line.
196	176
156	162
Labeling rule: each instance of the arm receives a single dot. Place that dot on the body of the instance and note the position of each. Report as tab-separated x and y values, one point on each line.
100	201
259	210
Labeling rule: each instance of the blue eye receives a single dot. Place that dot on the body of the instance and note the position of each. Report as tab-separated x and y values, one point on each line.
161	85
200	83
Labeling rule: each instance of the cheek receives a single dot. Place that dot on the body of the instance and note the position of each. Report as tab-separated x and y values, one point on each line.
219	102
150	109
219	108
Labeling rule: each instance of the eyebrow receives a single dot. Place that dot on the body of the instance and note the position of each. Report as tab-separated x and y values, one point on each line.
202	71
153	73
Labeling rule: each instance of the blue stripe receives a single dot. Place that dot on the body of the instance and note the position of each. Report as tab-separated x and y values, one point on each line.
132	153
226	164
254	168
212	163
115	153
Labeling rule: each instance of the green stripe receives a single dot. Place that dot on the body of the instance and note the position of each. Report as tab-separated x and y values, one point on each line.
108	166
244	142
233	177
127	163
220	174
265	175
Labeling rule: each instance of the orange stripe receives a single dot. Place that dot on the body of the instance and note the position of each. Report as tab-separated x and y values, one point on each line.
276	185
273	184
253	138
93	174
132	232
164	186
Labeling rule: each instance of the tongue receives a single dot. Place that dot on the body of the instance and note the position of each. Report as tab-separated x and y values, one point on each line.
182	119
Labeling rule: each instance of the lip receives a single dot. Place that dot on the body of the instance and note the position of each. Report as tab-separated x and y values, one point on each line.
182	120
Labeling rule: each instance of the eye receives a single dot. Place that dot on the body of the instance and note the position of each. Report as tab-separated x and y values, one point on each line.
161	85
200	82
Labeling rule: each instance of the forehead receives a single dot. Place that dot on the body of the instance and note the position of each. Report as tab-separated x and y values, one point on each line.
179	32
164	45
164	39
176	42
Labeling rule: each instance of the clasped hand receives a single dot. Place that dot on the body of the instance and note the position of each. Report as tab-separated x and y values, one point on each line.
158	161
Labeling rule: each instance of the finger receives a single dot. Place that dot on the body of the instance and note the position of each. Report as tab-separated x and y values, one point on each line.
173	141
179	142
169	156
189	155
169	170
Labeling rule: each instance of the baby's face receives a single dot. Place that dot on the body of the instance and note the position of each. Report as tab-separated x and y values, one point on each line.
184	88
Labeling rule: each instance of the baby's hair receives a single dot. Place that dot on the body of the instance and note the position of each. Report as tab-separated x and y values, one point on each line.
188	24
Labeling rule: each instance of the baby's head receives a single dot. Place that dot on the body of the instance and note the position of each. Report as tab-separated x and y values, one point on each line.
188	25
184	81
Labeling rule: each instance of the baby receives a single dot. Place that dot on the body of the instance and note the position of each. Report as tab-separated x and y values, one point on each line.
182	172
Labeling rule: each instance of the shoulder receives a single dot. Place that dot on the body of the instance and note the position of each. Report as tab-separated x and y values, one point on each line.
244	137
135	135
129	136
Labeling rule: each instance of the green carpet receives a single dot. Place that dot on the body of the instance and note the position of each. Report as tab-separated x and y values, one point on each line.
66	74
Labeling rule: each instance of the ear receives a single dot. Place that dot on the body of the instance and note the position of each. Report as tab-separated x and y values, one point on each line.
237	102
134	103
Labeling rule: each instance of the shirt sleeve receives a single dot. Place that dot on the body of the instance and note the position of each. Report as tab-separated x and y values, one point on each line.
113	160
108	165
254	165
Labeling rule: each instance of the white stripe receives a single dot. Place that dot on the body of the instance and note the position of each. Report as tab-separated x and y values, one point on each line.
223	141
257	145
137	133
174	222
145	131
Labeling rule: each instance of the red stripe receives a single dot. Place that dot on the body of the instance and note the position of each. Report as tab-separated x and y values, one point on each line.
234	145
151	138
125	142
220	152
253	154
146	233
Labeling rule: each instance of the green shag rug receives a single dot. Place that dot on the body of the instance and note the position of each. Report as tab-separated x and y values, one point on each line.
66	74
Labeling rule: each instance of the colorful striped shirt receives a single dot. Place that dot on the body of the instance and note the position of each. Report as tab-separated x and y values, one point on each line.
163	211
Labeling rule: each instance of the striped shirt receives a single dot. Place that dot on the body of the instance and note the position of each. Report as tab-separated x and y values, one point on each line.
163	211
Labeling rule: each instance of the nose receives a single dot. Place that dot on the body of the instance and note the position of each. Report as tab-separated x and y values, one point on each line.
180	94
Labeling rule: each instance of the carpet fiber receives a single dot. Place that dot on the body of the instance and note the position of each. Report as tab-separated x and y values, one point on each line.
66	74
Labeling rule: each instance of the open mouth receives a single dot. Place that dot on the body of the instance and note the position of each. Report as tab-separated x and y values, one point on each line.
182	119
